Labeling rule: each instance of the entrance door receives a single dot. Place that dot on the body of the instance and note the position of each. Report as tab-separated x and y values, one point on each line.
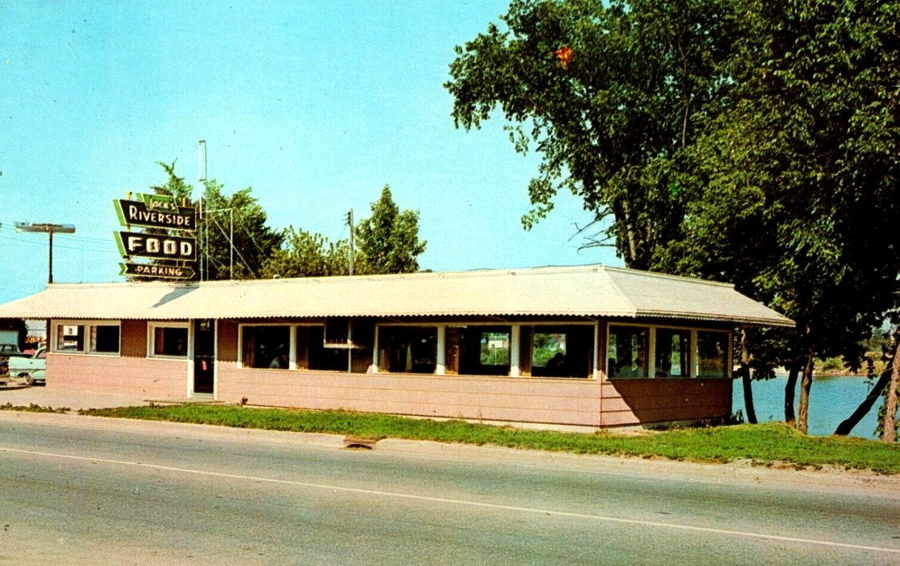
204	355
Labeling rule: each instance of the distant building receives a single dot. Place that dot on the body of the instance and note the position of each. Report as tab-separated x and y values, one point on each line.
589	345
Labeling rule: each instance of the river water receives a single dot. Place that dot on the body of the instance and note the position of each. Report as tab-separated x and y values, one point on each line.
831	400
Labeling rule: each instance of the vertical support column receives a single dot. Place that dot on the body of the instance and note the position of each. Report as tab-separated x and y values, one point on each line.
515	347
729	361
292	344
441	359
651	354
695	354
374	367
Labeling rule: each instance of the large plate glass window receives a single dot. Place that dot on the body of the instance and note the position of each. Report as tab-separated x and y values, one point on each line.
407	349
673	349
87	337
313	355
70	338
266	346
169	341
712	354
478	350
559	351
105	338
628	351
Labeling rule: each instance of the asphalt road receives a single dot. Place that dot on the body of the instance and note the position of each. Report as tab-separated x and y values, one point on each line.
77	490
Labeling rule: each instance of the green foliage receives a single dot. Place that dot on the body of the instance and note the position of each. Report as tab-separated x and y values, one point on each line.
792	188
306	254
611	124
240	215
388	241
744	141
222	216
765	444
175	186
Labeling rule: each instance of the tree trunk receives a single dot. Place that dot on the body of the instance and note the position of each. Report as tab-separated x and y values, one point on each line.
745	379
805	386
889	426
847	425
748	394
790	390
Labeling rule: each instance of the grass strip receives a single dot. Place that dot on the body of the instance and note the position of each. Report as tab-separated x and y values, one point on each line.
764	444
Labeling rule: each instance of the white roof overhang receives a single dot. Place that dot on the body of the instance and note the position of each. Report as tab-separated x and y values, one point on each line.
584	291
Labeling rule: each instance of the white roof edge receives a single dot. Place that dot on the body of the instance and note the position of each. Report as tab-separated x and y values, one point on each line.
563	291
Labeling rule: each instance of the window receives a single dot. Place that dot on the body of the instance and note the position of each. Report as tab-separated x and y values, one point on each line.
409	349
494	349
87	338
712	354
169	341
269	347
266	346
70	338
559	351
673	352
312	354
627	351
105	338
478	350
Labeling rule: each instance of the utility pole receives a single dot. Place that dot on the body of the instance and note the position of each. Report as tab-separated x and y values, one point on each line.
350	224
49	229
201	181
349	320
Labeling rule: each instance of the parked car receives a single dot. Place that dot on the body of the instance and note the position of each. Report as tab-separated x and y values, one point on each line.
33	369
7	350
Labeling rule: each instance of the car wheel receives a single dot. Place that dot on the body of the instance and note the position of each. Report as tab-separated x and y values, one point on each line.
27	378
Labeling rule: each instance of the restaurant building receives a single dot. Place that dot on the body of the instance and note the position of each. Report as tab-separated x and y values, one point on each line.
589	345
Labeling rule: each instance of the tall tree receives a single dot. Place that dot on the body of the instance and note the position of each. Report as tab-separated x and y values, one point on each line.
794	187
388	241
609	93
748	141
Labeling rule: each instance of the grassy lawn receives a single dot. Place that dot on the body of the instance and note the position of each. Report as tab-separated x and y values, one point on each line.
763	444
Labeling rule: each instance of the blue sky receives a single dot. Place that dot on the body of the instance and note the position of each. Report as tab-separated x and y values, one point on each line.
316	105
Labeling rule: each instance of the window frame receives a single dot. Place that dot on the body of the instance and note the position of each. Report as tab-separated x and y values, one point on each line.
729	354
649	354
152	326
542	327
515	346
292	337
439	357
692	354
88	340
293	361
651	350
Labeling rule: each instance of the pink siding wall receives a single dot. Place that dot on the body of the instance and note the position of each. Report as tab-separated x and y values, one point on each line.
559	401
631	401
153	378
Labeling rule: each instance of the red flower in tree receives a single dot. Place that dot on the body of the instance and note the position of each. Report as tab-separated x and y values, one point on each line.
564	54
